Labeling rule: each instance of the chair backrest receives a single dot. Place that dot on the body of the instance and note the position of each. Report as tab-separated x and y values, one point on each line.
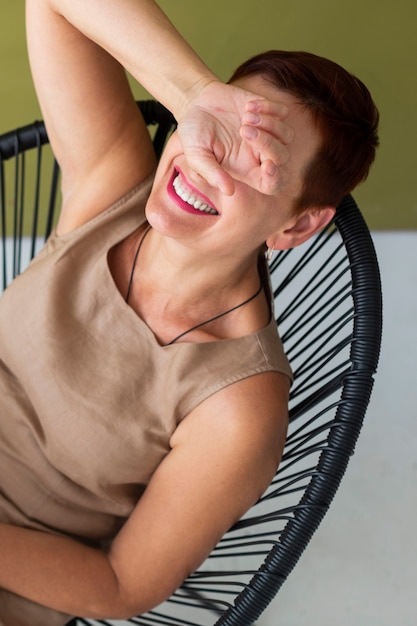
329	312
29	187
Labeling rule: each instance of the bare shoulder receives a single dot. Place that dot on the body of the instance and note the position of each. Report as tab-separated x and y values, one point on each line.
224	455
247	420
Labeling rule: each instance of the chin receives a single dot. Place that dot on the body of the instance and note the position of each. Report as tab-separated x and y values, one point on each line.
165	222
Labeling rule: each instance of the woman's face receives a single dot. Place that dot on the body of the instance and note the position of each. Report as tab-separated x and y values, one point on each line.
184	206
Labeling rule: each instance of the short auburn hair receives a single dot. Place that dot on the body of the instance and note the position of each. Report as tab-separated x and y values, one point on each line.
343	110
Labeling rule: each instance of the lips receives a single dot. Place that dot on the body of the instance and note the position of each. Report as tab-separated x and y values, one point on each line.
188	197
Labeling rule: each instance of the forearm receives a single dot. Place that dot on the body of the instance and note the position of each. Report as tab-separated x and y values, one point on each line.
139	35
60	573
66	39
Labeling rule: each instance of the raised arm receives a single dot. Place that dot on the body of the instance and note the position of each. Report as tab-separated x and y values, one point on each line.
78	51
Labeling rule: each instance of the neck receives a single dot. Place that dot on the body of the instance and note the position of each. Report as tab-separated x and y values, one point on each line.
188	276
177	292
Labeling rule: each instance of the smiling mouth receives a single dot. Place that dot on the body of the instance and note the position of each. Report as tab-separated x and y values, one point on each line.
191	197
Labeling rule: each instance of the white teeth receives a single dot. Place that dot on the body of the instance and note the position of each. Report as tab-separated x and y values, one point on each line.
186	195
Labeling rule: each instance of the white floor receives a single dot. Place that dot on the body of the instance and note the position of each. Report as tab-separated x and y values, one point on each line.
361	568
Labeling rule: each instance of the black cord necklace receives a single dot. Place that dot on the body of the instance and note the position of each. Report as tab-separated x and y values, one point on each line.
132	271
212	319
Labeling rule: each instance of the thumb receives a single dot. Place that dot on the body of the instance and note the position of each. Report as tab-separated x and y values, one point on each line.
205	164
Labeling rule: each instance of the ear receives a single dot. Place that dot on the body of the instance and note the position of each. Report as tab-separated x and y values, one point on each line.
301	228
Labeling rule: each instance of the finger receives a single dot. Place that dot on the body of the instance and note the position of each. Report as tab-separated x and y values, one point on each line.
267	107
223	181
265	145
270	179
265	177
270	124
206	166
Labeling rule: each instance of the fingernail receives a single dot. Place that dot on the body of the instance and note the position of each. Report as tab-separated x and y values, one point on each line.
271	169
252	106
249	132
251	118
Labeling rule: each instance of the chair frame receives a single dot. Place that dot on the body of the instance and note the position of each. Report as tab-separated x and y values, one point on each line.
350	381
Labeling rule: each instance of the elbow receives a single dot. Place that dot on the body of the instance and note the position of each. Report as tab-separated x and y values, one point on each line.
124	603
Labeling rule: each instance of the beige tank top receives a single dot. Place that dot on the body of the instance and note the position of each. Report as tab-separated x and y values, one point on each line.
89	399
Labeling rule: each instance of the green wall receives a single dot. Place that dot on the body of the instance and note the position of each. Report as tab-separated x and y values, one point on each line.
374	39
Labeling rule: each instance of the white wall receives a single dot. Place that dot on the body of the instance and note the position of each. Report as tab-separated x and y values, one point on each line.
361	567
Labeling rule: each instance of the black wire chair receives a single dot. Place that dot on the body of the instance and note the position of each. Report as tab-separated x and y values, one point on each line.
329	312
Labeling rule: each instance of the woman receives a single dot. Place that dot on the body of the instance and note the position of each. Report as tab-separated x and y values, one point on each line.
147	354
